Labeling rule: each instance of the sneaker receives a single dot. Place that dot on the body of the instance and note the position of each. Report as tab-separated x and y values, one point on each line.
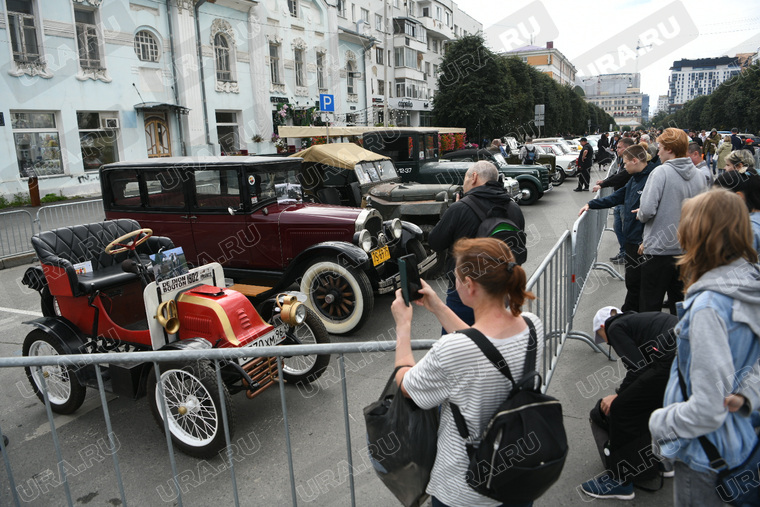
577	190
667	469
618	256
605	486
619	260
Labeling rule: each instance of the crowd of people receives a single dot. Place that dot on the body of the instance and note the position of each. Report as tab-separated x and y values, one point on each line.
687	218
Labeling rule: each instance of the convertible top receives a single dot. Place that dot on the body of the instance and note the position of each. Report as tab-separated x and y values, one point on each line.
342	155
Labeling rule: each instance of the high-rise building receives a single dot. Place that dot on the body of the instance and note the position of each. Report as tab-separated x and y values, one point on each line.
691	78
548	60
662	103
619	96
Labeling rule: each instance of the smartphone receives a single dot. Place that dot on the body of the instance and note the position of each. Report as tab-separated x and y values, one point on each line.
410	278
459	194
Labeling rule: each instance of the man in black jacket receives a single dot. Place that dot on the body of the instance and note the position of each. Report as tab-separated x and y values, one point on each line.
585	161
481	182
646	345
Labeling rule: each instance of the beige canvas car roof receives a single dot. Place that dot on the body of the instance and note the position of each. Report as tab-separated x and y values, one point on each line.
295	131
342	155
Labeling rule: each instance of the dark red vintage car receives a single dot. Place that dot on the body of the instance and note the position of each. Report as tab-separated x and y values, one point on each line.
248	214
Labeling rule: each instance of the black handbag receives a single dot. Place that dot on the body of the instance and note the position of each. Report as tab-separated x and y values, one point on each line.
740	485
402	440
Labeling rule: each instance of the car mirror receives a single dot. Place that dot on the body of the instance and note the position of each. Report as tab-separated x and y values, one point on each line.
230	210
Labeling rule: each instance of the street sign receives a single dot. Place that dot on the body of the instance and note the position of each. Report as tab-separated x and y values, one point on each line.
326	103
539	109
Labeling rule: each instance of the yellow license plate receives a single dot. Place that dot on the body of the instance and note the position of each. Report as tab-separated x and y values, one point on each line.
380	255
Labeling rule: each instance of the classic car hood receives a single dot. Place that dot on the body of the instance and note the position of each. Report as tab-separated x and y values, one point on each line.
322	210
414	191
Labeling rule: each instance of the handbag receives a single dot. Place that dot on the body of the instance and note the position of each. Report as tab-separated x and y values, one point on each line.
740	485
402	440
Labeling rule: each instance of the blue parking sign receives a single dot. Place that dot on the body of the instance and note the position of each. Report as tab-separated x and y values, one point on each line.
326	103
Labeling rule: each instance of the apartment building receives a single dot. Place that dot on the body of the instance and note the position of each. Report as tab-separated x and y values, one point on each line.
691	78
89	82
619	96
548	60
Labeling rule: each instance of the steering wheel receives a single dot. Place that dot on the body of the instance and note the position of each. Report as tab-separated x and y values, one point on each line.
119	242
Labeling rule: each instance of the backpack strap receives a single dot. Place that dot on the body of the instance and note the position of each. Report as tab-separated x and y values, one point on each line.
474	206
493	355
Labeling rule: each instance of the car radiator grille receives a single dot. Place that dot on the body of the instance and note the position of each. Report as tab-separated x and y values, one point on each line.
374	226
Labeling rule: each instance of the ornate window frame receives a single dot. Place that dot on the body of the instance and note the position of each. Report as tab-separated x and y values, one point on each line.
32	66
222	28
90	34
279	85
351	66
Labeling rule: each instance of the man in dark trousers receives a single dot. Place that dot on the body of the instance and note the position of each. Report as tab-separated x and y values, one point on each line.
646	345
736	141
585	160
481	183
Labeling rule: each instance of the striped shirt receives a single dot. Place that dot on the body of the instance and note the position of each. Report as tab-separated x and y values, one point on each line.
456	370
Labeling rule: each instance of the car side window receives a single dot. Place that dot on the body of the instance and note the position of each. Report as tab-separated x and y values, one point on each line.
217	189
125	188
165	188
283	186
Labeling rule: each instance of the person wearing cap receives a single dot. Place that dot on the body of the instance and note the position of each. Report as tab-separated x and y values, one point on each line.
646	345
585	160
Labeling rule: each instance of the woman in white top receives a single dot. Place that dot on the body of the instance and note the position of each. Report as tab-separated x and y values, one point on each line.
455	370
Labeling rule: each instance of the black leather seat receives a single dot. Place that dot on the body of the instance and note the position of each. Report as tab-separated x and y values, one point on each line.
67	246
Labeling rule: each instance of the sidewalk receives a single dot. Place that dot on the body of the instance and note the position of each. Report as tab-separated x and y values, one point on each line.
582	377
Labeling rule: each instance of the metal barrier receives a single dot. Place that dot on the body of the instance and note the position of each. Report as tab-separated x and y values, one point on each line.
16	227
72	213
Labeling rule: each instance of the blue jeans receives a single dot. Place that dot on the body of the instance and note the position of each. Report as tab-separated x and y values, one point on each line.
712	162
617	213
438	503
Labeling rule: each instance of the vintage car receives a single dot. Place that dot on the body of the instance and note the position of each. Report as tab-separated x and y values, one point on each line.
534	180
416	155
248	214
349	175
513	149
565	159
100	295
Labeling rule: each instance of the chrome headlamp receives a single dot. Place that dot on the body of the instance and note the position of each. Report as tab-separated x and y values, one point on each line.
292	312
363	240
396	228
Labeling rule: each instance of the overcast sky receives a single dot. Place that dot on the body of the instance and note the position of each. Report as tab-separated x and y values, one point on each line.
602	37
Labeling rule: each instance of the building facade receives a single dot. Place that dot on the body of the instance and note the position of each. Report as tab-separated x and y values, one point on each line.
88	82
691	78
619	96
662	103
548	60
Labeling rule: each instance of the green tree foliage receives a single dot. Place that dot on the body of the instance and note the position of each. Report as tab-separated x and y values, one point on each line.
735	103
492	96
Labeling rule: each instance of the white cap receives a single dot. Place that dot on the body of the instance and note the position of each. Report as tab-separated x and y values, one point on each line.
600	318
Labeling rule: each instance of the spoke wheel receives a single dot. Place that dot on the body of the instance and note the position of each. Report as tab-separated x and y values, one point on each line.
193	407
340	296
558	177
65	392
305	369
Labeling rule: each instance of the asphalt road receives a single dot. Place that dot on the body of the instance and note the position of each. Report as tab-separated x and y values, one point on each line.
315	415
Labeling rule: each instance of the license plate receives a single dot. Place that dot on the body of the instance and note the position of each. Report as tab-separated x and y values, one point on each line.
380	255
274	337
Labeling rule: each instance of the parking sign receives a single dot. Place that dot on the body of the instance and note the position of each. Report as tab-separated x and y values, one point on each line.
326	103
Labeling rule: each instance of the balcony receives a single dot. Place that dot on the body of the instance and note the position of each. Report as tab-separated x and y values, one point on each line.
408	73
402	40
437	28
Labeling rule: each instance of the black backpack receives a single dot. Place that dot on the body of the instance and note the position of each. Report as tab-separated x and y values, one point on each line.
530	156
523	447
495	224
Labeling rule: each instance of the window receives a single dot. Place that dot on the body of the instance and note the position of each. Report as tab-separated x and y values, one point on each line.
293	8
146	46
23	30
217	189
365	16
222	58
378	22
300	78
98	144
427	69
227	132
87	39
165	189
350	118
38	151
435	46
407	57
350	77
274	63
353	13
380	87
379	55
448	19
321	71
341	6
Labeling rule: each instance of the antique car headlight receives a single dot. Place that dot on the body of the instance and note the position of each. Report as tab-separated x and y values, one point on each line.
363	240
396	228
292	312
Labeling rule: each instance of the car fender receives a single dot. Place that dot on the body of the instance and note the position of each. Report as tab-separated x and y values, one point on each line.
346	254
72	341
531	178
410	231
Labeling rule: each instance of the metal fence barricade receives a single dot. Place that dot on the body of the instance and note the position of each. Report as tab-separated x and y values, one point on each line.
73	213
16	227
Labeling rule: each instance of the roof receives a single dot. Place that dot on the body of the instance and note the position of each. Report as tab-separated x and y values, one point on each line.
192	161
528	48
705	62
342	155
287	131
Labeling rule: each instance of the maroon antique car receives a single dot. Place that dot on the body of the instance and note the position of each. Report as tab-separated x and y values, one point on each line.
248	214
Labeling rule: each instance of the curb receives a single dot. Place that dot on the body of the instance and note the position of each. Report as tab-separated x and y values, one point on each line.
17	260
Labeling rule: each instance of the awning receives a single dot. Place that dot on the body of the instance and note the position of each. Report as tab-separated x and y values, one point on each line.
286	131
342	155
147	106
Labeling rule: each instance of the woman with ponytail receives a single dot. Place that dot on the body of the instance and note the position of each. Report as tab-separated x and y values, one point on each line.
455	370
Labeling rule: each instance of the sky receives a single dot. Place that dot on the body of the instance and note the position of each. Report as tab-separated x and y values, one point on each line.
603	37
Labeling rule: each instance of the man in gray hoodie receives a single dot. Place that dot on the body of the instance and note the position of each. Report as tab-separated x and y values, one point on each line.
668	186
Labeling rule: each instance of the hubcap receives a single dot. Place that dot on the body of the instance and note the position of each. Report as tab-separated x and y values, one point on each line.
334	296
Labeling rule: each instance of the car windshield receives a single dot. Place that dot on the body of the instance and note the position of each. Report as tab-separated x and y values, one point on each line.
379	170
280	185
499	158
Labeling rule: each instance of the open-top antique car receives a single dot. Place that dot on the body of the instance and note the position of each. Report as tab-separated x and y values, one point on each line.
99	295
248	214
347	174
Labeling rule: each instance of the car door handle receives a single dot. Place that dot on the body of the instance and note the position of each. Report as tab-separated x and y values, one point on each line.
191	217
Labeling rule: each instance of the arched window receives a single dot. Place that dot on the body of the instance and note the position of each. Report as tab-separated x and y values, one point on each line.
222	57
146	46
350	76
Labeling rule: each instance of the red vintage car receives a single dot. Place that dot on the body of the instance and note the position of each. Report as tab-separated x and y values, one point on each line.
248	214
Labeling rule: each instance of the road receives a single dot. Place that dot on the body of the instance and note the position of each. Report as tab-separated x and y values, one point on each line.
315	415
